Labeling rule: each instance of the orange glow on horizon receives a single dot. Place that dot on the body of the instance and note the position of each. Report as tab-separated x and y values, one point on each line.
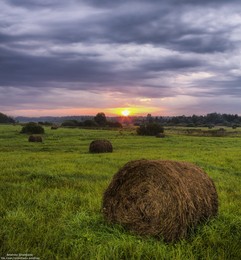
119	111
132	111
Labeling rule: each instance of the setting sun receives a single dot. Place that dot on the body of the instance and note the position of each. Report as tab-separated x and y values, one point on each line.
125	112
131	111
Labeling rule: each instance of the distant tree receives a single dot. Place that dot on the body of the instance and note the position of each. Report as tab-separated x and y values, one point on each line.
80	124
149	118
234	126
150	129
114	124
195	120
4	119
90	123
70	123
214	118
156	119
32	128
100	119
45	123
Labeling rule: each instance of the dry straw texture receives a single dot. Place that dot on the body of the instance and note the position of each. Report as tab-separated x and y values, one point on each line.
100	146
35	138
160	198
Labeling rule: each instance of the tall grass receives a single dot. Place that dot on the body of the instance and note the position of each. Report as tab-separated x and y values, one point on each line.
51	195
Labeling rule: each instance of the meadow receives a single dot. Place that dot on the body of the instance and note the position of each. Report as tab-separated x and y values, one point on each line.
51	195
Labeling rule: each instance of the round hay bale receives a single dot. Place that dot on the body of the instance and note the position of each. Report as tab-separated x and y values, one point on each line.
100	146
165	199
35	138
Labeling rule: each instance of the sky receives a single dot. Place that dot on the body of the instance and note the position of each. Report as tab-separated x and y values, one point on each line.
81	57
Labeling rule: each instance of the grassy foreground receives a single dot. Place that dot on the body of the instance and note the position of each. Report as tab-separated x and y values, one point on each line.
51	193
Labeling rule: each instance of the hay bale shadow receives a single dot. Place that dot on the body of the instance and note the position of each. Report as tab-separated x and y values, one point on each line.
35	138
160	135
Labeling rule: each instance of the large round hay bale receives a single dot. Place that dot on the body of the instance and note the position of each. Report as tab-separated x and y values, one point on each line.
100	146
165	199
35	138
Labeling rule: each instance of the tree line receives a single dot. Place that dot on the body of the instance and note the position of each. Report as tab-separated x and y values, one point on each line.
100	120
208	120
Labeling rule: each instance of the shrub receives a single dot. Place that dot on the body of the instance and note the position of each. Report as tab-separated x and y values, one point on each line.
45	123
210	126
150	129
90	123
70	123
114	124
160	135
32	128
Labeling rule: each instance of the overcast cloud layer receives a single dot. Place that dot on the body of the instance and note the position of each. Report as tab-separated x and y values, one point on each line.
165	57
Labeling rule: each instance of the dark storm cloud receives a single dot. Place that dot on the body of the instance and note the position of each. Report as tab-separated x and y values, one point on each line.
17	69
35	4
134	47
143	22
167	26
230	87
170	63
157	2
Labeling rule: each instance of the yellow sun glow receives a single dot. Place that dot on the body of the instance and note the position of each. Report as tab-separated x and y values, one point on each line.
132	111
125	112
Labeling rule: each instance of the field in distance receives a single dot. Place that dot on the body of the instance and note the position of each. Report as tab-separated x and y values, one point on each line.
51	194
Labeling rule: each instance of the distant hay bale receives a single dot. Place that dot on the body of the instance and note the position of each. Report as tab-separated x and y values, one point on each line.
164	199
54	127
160	135
100	146
35	138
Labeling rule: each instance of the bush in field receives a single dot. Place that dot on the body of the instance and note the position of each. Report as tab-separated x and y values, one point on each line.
46	123
89	123
160	135
210	126
150	129
114	124
32	128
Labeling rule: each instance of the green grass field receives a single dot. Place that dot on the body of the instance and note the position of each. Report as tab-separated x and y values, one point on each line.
51	195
